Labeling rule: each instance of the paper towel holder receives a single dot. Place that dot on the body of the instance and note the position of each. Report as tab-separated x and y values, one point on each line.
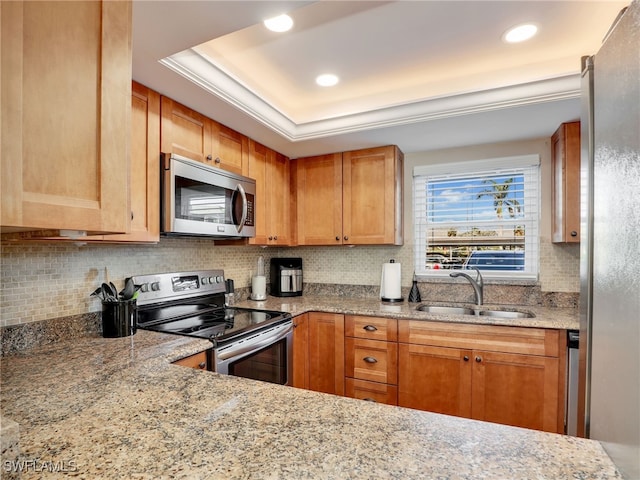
389	270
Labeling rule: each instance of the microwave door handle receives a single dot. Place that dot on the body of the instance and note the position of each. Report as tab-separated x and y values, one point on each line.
244	207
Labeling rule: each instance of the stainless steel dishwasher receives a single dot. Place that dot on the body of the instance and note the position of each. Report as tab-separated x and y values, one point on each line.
573	344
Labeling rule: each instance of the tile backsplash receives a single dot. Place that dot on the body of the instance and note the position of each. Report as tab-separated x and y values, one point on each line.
42	281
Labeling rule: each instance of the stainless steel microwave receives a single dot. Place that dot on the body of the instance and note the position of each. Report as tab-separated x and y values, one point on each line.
198	200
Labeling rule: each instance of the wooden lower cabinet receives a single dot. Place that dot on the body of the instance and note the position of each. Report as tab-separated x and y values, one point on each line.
501	381
371	391
301	352
199	361
326	352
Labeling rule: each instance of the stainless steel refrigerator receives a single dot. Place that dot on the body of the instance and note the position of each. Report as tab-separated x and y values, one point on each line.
610	247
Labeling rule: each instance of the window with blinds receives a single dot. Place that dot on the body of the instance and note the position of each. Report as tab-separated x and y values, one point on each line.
482	214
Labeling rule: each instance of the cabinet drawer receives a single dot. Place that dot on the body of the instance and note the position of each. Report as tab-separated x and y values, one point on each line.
199	360
373	328
371	391
492	338
371	360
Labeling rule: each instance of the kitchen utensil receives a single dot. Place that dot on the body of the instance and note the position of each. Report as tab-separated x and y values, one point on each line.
97	293
390	287
414	294
129	290
108	295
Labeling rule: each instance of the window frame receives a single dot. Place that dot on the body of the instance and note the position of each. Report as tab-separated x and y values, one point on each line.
530	167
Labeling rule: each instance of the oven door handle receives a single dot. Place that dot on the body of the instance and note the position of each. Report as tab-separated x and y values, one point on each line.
254	344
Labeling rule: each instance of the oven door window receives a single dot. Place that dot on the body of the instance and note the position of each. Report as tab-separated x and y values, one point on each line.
202	202
267	365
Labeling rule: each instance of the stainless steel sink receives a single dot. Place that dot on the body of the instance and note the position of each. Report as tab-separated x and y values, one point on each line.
506	314
445	310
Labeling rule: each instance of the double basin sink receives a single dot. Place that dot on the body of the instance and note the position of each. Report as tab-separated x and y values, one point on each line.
437	309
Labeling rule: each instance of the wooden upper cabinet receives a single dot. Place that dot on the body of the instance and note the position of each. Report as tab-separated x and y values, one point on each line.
190	134
145	167
66	112
565	148
230	149
271	172
372	196
350	198
318	186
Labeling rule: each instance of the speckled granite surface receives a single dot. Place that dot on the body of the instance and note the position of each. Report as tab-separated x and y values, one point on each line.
545	317
101	408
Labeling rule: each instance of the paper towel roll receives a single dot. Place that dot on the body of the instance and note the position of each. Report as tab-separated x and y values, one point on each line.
259	287
390	284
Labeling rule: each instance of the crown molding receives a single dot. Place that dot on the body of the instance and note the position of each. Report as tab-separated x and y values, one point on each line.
212	79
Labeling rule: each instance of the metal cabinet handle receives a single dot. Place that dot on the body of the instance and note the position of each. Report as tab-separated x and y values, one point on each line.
346	237
218	161
478	359
368	399
337	238
209	158
466	358
202	365
370	328
275	237
270	238
574	234
370	360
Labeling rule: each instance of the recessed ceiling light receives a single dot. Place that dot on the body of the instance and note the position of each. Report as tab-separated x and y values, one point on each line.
520	33
327	80
281	23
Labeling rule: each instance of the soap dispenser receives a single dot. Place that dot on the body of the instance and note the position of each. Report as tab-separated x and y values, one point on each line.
414	294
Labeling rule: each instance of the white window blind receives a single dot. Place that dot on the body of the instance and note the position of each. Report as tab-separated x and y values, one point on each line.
482	214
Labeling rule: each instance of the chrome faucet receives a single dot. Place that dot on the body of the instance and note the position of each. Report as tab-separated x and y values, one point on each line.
477	284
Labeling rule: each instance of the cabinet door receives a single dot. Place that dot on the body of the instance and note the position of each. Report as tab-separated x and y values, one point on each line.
566	183
230	149
326	353
65	107
271	173
301	351
145	167
372	196
436	379
279	200
319	199
519	390
185	132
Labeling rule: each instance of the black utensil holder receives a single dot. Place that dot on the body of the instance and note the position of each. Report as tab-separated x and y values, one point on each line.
119	319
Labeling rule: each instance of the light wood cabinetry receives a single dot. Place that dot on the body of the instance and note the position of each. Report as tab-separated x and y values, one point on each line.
271	173
371	358
565	149
508	375
326	352
350	198
66	96
301	351
199	361
145	167
190	134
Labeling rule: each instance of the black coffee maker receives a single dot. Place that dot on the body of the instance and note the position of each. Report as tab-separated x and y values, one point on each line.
286	277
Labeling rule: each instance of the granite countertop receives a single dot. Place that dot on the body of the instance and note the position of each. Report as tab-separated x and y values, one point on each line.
544	317
101	408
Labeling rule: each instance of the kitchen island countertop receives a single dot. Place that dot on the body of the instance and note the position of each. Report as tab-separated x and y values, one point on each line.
117	408
544	317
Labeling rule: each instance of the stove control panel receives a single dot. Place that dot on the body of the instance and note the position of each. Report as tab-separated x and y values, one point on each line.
163	287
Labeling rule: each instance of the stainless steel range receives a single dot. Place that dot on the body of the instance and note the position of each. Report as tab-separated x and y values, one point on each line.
246	342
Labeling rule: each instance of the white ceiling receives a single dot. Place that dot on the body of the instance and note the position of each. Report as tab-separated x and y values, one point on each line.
422	75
